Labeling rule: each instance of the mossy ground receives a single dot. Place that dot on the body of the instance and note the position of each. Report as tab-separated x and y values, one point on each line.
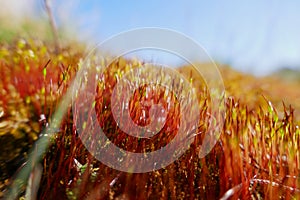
256	157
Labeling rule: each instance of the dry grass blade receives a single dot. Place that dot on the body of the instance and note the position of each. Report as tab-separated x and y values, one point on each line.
53	25
231	192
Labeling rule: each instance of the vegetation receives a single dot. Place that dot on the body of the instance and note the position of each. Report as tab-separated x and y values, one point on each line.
256	157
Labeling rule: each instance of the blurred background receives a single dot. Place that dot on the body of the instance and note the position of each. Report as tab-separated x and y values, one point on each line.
257	37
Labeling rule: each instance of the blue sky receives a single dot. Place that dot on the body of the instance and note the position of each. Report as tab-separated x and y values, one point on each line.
256	36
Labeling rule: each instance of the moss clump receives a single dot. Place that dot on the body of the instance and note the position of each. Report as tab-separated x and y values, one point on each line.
256	157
